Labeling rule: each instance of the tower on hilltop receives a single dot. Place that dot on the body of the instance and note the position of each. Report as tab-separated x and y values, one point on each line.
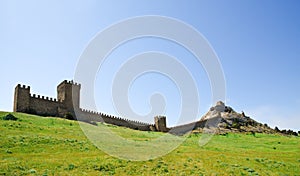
160	123
21	98
68	93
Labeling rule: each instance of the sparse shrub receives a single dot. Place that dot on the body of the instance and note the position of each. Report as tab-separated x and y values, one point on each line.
166	169
106	168
189	159
71	166
277	129
10	117
295	133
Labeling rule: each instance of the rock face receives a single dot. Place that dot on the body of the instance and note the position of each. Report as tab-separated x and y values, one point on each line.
231	121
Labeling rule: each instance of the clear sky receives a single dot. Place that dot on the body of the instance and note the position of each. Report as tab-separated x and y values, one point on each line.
257	42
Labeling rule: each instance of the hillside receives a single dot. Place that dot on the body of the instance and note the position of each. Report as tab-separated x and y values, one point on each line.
228	120
34	145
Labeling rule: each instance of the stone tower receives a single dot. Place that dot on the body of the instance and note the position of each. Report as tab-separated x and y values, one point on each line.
68	93
22	98
160	123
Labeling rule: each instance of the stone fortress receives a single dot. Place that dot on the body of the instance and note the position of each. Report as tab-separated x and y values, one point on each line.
220	118
67	105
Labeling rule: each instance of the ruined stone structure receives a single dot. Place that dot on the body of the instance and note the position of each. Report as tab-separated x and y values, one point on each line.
67	105
26	102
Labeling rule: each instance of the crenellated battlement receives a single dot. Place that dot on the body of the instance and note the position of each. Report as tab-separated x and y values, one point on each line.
71	82
112	117
43	98
68	103
23	87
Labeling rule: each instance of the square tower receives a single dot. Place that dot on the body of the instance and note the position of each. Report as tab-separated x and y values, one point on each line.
160	123
22	98
68	93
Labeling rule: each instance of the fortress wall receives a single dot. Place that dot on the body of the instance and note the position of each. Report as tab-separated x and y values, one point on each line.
87	115
44	106
101	117
186	128
40	105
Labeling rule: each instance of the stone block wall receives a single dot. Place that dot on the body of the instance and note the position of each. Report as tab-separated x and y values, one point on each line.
68	102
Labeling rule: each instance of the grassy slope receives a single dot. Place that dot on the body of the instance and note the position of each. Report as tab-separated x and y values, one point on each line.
50	146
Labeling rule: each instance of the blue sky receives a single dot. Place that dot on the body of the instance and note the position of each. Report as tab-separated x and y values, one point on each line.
257	42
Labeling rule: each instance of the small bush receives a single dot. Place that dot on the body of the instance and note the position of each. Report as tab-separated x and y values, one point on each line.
71	166
10	117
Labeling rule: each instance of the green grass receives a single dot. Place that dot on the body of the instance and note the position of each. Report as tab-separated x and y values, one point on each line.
35	145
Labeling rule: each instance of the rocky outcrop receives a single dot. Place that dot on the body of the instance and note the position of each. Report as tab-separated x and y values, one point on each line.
232	121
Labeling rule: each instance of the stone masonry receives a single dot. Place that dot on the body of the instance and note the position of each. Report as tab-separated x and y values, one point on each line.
67	104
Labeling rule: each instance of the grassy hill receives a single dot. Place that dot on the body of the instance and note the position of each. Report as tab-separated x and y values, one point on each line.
33	145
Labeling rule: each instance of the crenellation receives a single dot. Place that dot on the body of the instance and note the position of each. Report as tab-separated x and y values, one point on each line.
65	103
22	86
